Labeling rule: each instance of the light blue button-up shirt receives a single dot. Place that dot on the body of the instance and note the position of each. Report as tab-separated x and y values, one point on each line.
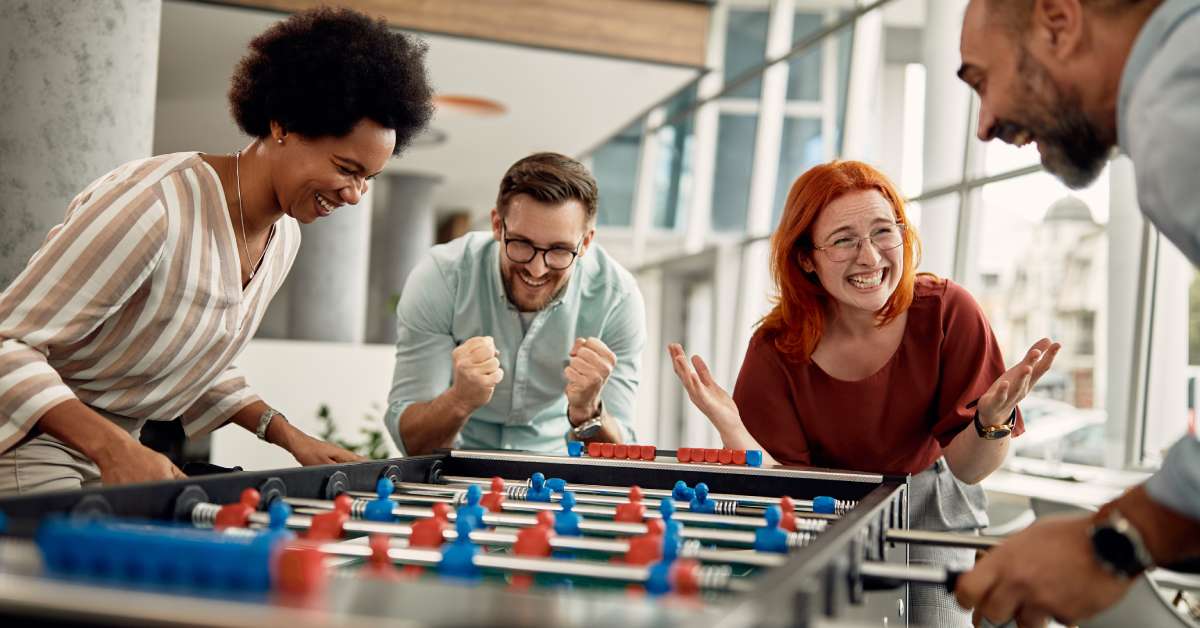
1158	126
456	293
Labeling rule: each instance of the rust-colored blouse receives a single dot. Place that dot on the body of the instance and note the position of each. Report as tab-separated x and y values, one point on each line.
894	421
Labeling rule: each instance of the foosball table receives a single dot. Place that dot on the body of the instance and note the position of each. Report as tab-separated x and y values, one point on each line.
650	538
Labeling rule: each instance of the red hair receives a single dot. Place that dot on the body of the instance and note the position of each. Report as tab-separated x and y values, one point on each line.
797	321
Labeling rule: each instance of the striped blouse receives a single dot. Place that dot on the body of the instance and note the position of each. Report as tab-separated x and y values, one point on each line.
134	304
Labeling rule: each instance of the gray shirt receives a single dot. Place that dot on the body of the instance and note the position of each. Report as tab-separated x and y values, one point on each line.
1158	126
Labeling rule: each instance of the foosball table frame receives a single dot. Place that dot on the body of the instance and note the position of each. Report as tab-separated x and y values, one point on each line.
819	584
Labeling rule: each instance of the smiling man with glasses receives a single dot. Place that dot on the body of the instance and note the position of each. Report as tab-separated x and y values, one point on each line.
522	338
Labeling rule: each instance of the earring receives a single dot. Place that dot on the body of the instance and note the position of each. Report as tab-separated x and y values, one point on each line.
280	140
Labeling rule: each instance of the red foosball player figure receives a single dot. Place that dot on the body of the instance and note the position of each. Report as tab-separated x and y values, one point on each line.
493	500
328	526
381	565
237	515
429	534
634	511
647	548
535	543
788	522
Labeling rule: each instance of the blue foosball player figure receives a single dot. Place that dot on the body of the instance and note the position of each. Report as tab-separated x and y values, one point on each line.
770	538
380	508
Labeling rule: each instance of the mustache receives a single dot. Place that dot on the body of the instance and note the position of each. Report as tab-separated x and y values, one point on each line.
1006	131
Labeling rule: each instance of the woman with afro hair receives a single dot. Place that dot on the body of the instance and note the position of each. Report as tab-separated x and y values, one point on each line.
136	306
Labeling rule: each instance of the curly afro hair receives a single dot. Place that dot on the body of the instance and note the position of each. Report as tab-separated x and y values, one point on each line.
319	72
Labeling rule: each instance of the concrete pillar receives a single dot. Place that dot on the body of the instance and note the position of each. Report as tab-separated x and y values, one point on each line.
946	112
327	291
78	100
402	232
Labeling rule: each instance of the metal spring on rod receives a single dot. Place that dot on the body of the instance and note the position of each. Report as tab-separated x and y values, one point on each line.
726	507
690	548
205	515
811	525
841	507
515	492
358	508
714	576
800	539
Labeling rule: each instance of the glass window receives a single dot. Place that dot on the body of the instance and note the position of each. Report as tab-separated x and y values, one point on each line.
614	165
804	69
745	48
800	149
1172	381
673	173
999	157
731	179
1040	269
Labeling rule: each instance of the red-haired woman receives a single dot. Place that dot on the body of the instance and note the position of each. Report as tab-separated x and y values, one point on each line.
865	365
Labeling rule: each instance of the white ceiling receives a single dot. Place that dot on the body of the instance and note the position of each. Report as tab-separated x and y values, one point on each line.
556	101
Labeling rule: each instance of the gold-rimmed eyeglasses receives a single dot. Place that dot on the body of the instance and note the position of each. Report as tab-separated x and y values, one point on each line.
883	238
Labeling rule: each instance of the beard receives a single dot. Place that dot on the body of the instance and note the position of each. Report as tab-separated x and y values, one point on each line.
1072	147
523	302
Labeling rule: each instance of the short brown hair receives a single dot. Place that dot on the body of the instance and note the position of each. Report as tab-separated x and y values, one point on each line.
549	178
1014	15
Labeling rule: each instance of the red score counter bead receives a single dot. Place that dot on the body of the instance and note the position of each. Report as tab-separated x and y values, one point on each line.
683	454
608	449
649	452
620	452
711	455
595	450
739	456
725	456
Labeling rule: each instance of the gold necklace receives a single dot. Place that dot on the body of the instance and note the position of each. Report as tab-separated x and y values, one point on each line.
237	173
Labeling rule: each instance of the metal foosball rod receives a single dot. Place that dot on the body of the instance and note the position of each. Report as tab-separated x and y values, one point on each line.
204	516
737	538
941	539
622	491
803	521
707	577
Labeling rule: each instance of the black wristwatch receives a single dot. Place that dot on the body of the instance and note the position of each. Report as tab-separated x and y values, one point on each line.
1118	545
590	427
995	432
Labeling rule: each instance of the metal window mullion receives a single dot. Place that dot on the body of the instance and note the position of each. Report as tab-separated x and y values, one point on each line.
1135	426
769	128
966	226
643	186
829	88
699	215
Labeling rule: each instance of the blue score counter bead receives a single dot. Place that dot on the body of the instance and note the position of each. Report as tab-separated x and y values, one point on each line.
574	448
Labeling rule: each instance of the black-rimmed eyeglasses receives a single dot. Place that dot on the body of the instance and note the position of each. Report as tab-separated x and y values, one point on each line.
521	251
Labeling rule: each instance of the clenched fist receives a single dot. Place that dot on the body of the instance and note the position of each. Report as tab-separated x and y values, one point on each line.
476	371
591	364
